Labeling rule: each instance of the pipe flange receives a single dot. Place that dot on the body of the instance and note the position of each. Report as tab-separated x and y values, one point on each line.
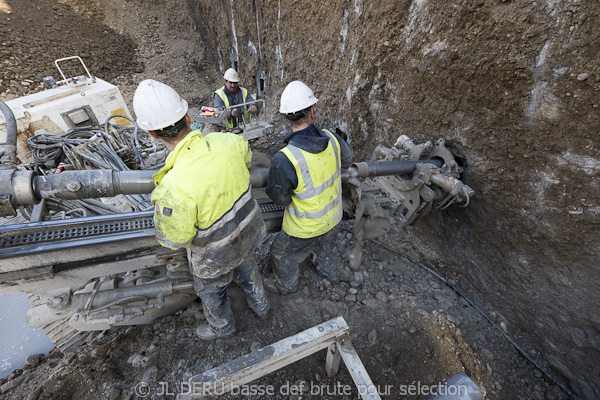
360	169
22	186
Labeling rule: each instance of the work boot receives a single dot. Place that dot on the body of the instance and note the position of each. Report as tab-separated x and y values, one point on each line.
332	276
272	286
264	316
205	332
329	273
314	260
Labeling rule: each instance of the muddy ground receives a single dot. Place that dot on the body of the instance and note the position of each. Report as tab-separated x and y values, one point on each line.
513	86
407	326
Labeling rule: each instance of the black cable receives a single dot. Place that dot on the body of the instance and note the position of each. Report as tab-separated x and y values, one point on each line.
441	278
106	153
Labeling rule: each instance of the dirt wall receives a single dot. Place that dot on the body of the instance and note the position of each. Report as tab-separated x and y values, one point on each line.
30	44
512	85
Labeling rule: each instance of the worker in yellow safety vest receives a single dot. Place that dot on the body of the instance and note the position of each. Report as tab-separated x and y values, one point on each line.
231	94
203	202
305	177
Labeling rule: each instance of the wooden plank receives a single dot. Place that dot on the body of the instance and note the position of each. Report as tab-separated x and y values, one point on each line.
360	376
332	364
261	362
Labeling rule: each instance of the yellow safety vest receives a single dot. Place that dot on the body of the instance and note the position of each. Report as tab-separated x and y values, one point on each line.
204	180
221	93
316	205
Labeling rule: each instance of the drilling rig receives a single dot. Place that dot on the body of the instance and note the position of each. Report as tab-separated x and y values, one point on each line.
76	173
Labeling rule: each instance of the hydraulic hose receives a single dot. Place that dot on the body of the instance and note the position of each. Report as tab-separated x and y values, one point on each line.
9	159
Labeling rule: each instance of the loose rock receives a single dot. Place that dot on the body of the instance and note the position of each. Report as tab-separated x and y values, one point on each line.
33	360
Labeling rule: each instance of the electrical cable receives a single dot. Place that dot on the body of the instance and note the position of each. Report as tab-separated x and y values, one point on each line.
88	147
466	194
88	303
461	294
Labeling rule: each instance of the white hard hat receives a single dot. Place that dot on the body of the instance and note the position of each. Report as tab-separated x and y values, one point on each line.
231	75
157	106
296	97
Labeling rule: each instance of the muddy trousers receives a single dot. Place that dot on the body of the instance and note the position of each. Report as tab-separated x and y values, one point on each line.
287	252
215	301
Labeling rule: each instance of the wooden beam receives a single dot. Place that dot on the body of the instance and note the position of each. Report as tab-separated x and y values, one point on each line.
261	362
361	378
332	364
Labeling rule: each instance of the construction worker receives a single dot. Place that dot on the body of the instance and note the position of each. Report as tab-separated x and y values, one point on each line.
203	202
231	94
305	177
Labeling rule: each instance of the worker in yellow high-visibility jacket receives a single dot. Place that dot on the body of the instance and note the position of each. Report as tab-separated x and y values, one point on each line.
231	94
203	202
305	177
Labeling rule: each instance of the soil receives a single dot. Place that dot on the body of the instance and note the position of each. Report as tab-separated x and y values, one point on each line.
37	33
511	85
407	326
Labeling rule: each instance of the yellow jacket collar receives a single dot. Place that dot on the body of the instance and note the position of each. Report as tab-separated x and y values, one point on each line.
170	161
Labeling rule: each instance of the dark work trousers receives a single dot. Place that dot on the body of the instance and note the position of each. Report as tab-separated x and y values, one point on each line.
287	252
215	301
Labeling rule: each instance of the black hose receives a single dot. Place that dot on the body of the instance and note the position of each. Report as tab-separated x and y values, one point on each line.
9	159
461	294
11	124
135	127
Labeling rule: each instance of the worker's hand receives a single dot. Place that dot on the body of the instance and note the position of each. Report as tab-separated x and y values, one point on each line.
253	109
235	112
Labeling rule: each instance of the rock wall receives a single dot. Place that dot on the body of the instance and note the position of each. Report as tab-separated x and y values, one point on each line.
513	86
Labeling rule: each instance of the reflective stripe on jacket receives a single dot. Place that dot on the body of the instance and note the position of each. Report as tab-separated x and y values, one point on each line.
316	203
230	121
203	201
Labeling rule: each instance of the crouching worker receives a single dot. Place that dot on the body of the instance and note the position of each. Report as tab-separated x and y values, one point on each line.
203	202
305	177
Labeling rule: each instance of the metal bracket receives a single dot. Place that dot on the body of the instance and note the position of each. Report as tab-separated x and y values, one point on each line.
65	80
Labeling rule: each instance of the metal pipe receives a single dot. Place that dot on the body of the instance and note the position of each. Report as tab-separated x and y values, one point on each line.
42	315
246	103
382	168
259	177
448	183
17	185
84	184
105	297
9	159
89	184
183	286
133	182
